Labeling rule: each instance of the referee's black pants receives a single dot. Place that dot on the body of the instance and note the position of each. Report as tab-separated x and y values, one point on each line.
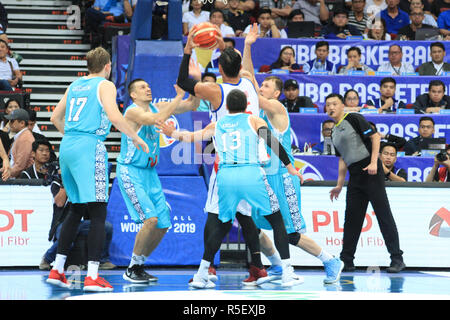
363	188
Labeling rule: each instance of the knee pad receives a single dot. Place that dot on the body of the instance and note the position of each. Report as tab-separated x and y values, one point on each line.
294	238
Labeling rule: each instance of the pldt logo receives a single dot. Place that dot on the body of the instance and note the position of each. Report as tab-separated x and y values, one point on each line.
440	224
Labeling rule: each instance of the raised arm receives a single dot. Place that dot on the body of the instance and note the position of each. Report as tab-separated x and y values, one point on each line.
188	136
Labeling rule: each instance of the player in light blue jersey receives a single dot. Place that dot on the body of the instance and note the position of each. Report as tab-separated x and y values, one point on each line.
137	177
285	186
84	116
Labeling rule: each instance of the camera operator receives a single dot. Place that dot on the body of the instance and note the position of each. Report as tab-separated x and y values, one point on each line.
441	174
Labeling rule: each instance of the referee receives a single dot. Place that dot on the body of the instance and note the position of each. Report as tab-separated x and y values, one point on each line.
358	145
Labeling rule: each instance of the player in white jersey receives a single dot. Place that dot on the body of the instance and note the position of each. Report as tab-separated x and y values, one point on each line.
229	67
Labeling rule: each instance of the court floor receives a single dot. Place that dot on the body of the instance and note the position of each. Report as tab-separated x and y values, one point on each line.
172	284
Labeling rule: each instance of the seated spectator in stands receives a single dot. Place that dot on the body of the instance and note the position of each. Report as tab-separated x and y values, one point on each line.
266	26
237	19
313	10
394	17
292	101
286	60
352	101
426	130
244	5
438	173
354	63
374	7
377	30
433	101
10	105
387	102
388	157
23	139
217	18
428	18
196	16
280	10
443	22
339	28
357	17
11	54
395	65
5	169
437	65
409	32
321	62
327	127
10	74
61	209
41	155
103	11
439	6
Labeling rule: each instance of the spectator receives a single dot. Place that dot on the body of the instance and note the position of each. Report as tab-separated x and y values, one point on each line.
280	10
394	17
244	5
11	54
437	65
61	208
354	63
374	7
428	18
100	12
409	32
21	147
388	157
439	6
10	74
286	60
387	102
217	18
292	101
237	19
405	5
295	16
41	156
426	130
321	62
197	15
357	17
327	128
395	65
10	105
313	10
433	101
377	30
437	173
339	28
352	101
266	26
443	22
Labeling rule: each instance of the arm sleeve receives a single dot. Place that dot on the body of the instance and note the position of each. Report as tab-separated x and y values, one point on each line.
183	81
274	144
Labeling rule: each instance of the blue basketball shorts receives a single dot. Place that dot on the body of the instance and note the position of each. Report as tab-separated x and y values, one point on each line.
143	195
84	168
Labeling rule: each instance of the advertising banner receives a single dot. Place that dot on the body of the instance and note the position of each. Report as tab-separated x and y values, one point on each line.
25	217
422	217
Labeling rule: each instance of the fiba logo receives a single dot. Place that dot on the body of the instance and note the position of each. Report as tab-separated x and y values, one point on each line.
165	141
309	172
440	224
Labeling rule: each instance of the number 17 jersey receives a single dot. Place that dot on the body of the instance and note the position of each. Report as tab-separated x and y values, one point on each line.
84	110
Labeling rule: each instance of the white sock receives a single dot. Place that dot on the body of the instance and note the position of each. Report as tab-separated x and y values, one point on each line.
203	268
137	260
92	270
59	263
275	259
324	256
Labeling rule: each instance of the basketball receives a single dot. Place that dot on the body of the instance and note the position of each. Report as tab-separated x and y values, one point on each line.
204	35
